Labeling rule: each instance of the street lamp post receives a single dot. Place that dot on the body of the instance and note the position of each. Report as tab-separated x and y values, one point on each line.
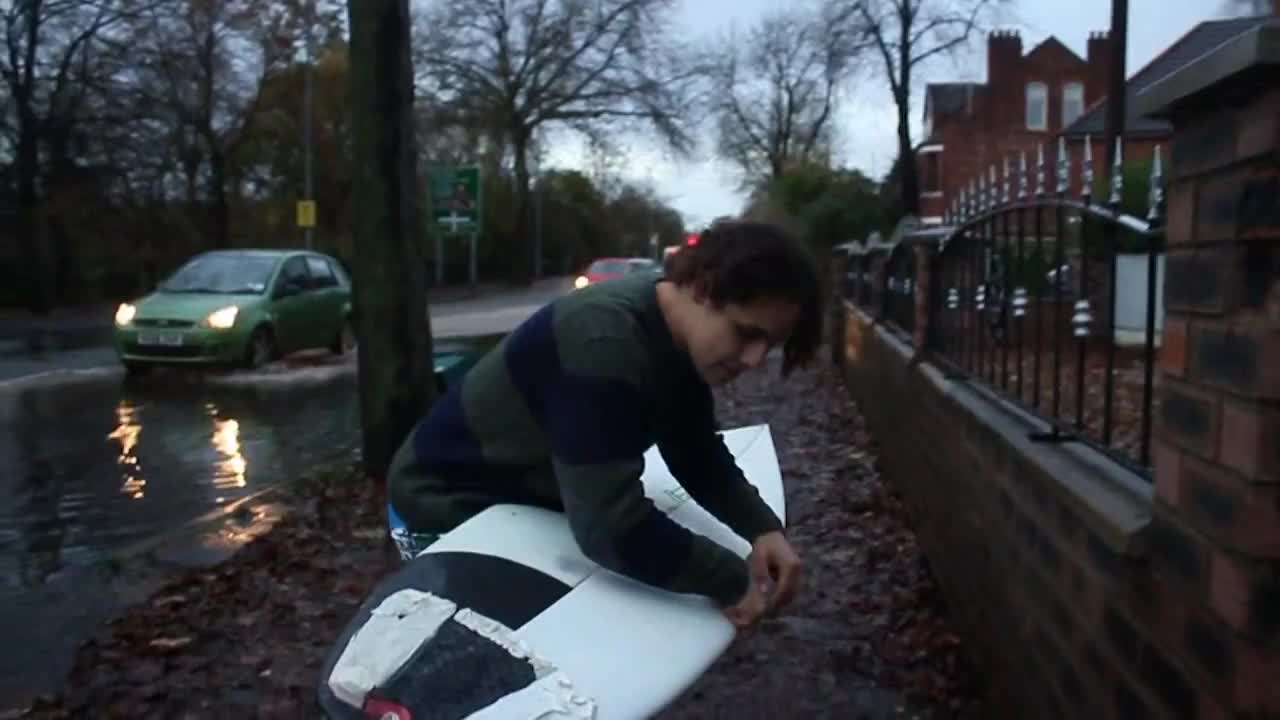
308	180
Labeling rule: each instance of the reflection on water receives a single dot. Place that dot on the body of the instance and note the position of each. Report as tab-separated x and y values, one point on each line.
126	433
96	466
228	473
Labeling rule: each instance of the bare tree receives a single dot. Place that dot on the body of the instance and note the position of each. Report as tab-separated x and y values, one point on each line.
906	34
203	64
45	43
390	295
774	93
596	66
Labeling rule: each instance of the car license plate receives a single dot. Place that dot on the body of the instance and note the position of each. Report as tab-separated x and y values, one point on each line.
169	339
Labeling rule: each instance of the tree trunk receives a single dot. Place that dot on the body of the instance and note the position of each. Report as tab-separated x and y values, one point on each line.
902	97
910	182
523	271
218	198
40	285
391	318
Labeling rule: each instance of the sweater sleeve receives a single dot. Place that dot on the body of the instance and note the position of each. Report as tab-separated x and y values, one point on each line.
597	425
699	460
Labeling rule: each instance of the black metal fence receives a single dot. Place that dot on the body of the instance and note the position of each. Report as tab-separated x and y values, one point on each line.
1027	290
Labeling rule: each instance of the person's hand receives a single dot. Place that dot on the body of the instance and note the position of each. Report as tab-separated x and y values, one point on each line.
749	609
776	570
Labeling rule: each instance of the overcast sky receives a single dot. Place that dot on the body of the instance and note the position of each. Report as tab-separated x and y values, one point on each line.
705	188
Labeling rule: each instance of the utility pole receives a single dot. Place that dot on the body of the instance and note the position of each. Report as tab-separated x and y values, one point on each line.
1116	77
307	100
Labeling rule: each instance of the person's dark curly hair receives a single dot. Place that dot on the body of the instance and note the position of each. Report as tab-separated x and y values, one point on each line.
741	261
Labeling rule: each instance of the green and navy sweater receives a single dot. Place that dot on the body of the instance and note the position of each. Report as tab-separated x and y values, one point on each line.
559	415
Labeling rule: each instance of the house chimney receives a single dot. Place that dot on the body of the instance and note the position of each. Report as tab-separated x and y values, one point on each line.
1098	60
1004	71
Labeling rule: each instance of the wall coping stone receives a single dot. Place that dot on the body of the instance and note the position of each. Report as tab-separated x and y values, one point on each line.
1111	500
1255	52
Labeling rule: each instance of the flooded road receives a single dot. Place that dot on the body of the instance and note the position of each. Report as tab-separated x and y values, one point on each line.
92	466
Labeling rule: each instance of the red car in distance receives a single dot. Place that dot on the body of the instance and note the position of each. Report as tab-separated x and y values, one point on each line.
608	268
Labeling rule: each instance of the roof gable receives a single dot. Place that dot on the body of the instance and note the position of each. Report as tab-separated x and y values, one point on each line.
1053	50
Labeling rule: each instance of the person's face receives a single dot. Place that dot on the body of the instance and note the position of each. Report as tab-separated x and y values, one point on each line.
723	342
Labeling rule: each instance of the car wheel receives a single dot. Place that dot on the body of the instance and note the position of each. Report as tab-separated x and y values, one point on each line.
346	340
261	348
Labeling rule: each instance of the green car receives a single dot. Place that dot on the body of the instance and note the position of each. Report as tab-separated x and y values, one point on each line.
240	308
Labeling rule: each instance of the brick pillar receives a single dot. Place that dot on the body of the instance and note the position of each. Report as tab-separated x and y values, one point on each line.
924	266
1216	534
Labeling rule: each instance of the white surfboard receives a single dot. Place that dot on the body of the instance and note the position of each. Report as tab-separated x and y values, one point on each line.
504	617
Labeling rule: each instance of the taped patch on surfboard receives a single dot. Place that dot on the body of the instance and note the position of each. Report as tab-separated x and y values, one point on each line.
417	650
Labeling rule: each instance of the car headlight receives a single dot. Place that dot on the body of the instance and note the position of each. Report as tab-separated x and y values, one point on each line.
223	318
581	282
125	313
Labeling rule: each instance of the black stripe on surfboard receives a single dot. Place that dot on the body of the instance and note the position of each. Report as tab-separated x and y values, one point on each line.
498	588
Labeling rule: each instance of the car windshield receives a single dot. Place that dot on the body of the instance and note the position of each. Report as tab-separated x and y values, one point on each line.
222	273
641	265
608	266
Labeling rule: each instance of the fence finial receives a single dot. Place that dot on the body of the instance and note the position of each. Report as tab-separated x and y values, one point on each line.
1004	182
1155	201
1064	166
1117	173
1087	178
1040	170
1022	175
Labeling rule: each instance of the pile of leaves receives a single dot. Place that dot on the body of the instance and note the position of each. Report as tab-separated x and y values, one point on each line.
868	636
247	638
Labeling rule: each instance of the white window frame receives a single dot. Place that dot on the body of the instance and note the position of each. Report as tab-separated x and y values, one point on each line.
931	150
1041	90
1072	95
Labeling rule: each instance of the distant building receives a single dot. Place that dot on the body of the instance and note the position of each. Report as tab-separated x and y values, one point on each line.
1026	101
1031	100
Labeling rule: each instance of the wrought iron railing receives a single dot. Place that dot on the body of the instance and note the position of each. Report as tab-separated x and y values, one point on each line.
856	285
1026	294
898	297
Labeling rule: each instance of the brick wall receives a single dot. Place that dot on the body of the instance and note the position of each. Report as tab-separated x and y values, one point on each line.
1082	590
1218	439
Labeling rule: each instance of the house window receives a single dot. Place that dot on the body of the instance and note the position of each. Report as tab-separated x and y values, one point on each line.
932	173
1037	106
1072	102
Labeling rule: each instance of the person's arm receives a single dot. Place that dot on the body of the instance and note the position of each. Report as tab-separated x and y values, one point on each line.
597	425
699	460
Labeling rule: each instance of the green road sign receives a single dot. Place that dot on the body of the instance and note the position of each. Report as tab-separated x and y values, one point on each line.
455	198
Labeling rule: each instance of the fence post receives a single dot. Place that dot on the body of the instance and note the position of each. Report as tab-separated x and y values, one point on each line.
1216	532
879	261
836	311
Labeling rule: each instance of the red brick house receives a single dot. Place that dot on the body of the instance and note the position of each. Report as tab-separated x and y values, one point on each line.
1026	101
1034	99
